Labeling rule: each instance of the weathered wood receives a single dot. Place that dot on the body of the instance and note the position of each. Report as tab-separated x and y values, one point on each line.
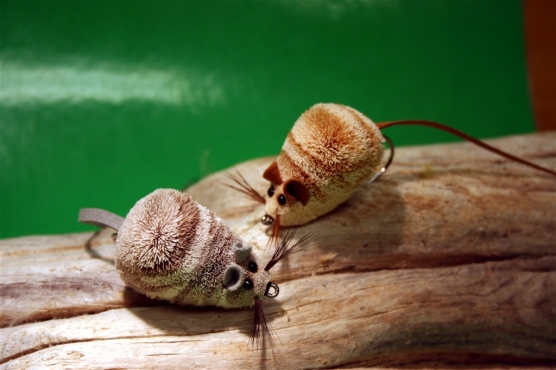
449	260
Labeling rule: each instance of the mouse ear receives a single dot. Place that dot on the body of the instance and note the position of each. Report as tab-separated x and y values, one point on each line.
242	251
272	174
233	277
296	190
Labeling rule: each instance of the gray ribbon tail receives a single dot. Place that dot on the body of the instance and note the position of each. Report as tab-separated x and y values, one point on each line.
100	217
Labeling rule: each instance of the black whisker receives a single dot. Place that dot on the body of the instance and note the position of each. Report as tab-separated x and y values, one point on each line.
275	234
283	249
261	331
242	186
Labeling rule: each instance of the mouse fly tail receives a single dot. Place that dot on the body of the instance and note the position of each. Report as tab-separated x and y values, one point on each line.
100	217
241	185
469	138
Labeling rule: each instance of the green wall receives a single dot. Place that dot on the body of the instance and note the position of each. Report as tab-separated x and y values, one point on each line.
102	102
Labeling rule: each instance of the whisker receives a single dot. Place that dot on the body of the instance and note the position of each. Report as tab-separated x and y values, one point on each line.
275	235
242	186
283	249
261	332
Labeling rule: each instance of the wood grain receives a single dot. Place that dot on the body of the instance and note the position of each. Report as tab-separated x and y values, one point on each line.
449	261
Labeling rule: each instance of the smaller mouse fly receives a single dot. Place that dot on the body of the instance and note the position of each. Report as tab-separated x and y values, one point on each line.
331	150
169	247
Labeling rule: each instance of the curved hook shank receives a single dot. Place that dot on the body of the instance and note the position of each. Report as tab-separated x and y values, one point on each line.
100	217
390	159
469	138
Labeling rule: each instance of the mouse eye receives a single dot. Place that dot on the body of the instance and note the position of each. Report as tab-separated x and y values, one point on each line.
252	267
248	284
270	191
282	199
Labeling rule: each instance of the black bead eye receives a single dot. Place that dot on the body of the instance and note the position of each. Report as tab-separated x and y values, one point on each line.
282	199
252	267
248	284
270	191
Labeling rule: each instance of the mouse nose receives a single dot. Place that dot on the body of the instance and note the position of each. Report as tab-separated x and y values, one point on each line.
271	290
267	219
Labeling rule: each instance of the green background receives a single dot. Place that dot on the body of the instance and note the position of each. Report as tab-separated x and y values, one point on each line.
103	102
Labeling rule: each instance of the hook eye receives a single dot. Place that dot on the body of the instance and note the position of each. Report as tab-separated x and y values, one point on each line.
271	290
267	220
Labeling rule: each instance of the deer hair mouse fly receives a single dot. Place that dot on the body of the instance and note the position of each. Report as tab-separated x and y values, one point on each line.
169	247
331	150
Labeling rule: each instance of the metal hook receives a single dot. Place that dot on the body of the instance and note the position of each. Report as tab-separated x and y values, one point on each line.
267	220
271	293
383	169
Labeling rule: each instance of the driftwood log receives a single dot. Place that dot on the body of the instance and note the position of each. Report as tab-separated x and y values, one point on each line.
448	261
